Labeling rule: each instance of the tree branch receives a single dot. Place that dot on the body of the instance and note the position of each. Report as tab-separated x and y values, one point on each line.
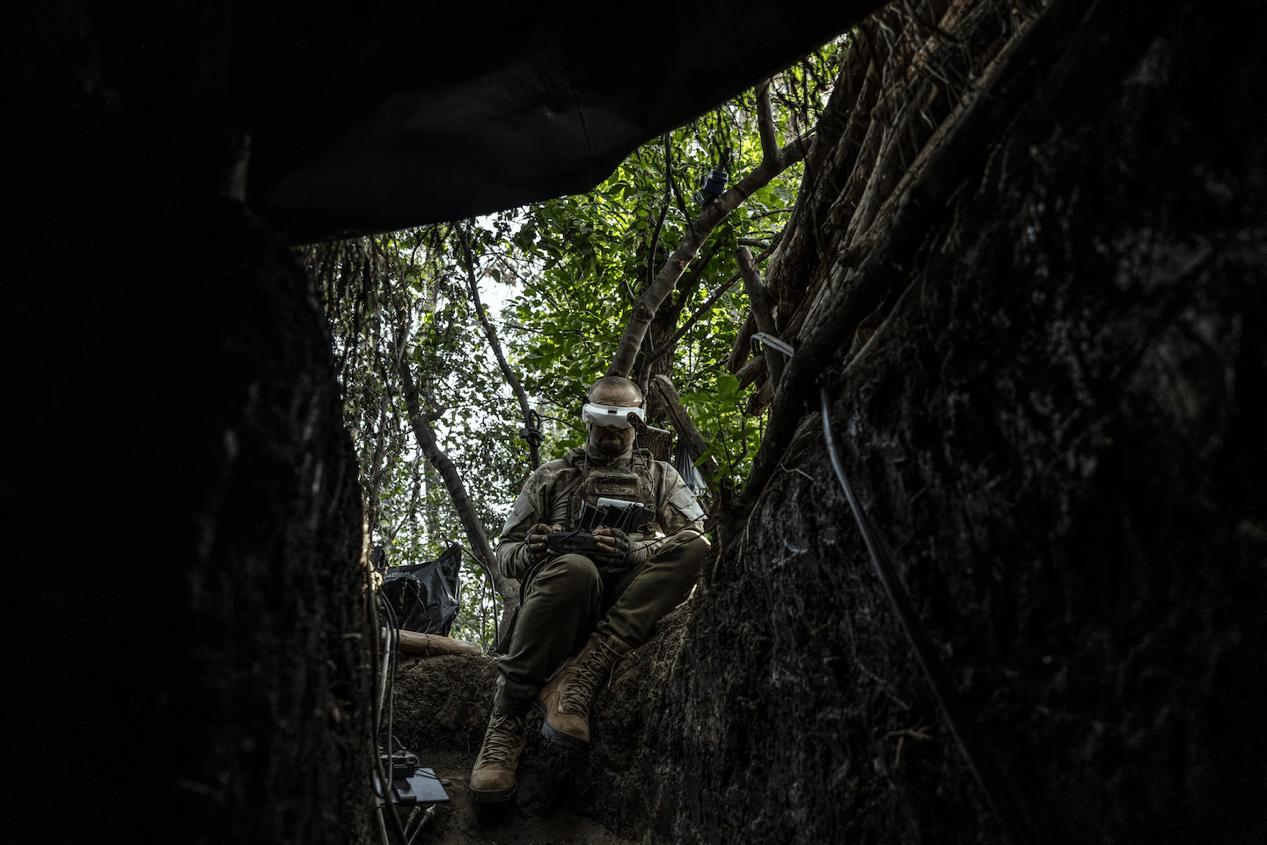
751	371
685	289
765	126
698	314
699	230
668	172
719	513
491	334
655	237
762	311
696	445
480	547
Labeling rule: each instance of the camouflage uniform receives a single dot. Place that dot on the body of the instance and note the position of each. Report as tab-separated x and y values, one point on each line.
567	597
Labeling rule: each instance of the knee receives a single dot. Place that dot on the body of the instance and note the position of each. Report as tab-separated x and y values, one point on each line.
571	574
690	547
682	554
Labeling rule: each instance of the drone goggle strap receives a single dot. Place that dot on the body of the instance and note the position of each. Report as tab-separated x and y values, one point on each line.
611	415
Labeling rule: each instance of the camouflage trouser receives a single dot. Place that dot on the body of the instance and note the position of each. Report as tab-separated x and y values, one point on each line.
568	598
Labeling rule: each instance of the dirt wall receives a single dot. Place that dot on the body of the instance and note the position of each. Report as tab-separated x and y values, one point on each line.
1058	433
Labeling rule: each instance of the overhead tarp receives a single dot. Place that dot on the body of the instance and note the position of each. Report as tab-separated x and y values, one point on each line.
423	112
382	114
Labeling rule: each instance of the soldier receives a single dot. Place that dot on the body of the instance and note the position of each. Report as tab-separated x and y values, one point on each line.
603	603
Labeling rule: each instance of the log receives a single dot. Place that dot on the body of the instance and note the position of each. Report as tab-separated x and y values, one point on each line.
686	429
433	645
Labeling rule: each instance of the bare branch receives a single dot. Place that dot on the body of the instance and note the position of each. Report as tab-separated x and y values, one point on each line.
751	371
765	126
696	445
762	311
491	334
719	513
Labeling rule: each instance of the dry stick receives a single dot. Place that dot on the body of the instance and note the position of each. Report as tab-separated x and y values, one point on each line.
697	446
703	225
695	442
489	332
1016	78
762	309
743	341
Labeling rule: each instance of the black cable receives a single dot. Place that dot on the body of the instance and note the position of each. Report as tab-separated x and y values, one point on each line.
383	788
388	790
1001	798
393	648
423	818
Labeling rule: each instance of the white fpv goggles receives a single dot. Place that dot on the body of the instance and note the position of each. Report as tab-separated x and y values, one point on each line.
610	415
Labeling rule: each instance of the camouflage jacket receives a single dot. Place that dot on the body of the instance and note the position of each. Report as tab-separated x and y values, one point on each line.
553	495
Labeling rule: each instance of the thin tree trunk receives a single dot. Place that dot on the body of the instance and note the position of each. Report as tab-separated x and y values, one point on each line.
507	588
515	385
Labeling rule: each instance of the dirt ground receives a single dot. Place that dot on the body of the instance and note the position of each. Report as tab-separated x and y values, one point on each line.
441	710
540	812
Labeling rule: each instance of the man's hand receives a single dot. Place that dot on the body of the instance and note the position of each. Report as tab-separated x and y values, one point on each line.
612	545
537	539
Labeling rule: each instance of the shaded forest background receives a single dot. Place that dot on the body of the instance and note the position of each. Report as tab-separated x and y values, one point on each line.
453	339
1024	266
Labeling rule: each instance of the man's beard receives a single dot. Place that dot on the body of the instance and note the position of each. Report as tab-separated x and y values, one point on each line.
611	443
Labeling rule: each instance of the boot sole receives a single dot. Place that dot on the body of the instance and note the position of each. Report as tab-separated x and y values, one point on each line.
558	737
494	797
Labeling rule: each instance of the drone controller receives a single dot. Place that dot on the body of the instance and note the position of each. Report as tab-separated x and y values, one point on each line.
629	517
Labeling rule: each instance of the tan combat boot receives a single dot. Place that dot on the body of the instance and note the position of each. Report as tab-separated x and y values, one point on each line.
493	776
565	701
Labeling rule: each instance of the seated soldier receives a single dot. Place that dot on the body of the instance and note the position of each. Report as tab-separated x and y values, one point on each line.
602	603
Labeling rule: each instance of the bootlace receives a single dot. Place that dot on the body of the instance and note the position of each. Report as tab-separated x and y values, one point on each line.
501	743
578	693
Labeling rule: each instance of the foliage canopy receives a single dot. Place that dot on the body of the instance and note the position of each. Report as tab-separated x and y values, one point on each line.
561	277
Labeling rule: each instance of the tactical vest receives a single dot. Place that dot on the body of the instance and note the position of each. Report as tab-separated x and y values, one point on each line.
629	484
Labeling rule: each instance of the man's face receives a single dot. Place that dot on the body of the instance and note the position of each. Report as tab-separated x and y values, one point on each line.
609	439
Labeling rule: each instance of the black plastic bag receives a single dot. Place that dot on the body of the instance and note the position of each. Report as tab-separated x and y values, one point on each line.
424	595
